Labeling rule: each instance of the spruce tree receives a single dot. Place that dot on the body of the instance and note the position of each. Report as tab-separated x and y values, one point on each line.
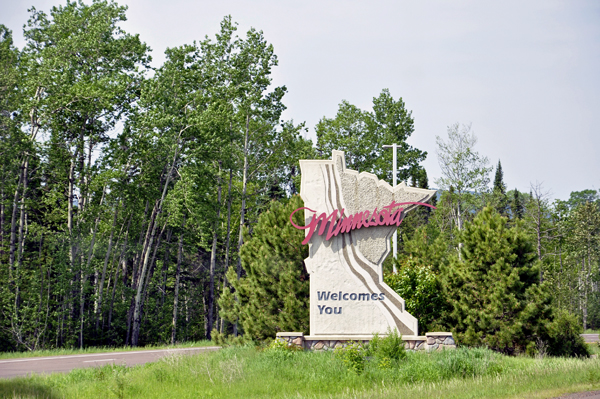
517	206
274	293
500	199
493	287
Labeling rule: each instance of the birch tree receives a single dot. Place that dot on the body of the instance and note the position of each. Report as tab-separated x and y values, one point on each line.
465	173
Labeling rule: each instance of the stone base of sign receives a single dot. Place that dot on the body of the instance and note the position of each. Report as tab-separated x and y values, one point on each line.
428	342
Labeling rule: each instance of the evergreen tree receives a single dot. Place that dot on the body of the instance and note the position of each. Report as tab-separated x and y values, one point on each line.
499	198
496	299
273	295
499	179
517	207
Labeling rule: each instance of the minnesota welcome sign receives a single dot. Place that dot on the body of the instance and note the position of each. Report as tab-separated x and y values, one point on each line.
349	220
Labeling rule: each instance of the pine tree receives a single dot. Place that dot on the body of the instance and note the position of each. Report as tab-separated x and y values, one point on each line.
517	206
495	296
499	179
273	295
500	199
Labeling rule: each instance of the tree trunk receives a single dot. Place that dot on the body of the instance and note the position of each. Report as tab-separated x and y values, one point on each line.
13	227
213	260
138	297
70	213
2	210
150	273
243	210
165	270
177	280
84	273
106	258
228	238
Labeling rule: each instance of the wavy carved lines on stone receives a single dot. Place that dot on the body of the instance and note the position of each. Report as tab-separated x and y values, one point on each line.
364	270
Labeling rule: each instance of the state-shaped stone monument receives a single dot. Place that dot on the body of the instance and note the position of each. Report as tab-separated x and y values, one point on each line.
349	220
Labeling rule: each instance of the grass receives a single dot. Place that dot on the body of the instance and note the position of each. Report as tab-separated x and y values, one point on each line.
245	372
62	352
594	349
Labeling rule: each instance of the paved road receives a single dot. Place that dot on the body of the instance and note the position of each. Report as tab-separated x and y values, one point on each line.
61	364
582	395
590	337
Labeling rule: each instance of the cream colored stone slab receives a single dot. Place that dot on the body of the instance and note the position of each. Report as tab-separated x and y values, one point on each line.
438	334
414	338
290	334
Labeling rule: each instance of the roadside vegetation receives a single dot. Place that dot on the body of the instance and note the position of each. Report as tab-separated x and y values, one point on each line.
248	372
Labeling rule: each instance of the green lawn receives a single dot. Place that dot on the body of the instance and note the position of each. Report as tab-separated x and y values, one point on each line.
245	372
62	352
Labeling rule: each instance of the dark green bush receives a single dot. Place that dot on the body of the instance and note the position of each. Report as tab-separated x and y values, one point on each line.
564	337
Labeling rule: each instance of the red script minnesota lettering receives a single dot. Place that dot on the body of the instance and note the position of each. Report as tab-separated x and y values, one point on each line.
390	215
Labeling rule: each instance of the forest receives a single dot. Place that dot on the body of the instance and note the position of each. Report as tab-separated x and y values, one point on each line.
130	196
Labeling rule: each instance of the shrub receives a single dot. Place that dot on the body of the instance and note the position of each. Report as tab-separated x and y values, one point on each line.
280	350
420	288
353	355
564	337
390	347
229	340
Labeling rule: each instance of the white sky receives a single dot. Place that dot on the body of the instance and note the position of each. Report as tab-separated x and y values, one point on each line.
525	74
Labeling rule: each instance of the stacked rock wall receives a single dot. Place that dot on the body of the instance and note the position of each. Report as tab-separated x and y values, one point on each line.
428	342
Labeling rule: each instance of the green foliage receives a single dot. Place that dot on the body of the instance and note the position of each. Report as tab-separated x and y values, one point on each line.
223	339
125	238
564	336
389	350
362	134
577	198
245	372
497	301
517	207
280	350
420	288
499	198
353	356
281	345
105	237
426	249
463	168
273	295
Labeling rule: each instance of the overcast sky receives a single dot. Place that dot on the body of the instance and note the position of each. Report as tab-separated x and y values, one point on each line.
525	74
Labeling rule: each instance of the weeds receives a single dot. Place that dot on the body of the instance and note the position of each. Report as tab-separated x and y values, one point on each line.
245	372
388	349
353	355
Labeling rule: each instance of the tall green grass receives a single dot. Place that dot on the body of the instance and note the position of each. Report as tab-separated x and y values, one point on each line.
244	372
